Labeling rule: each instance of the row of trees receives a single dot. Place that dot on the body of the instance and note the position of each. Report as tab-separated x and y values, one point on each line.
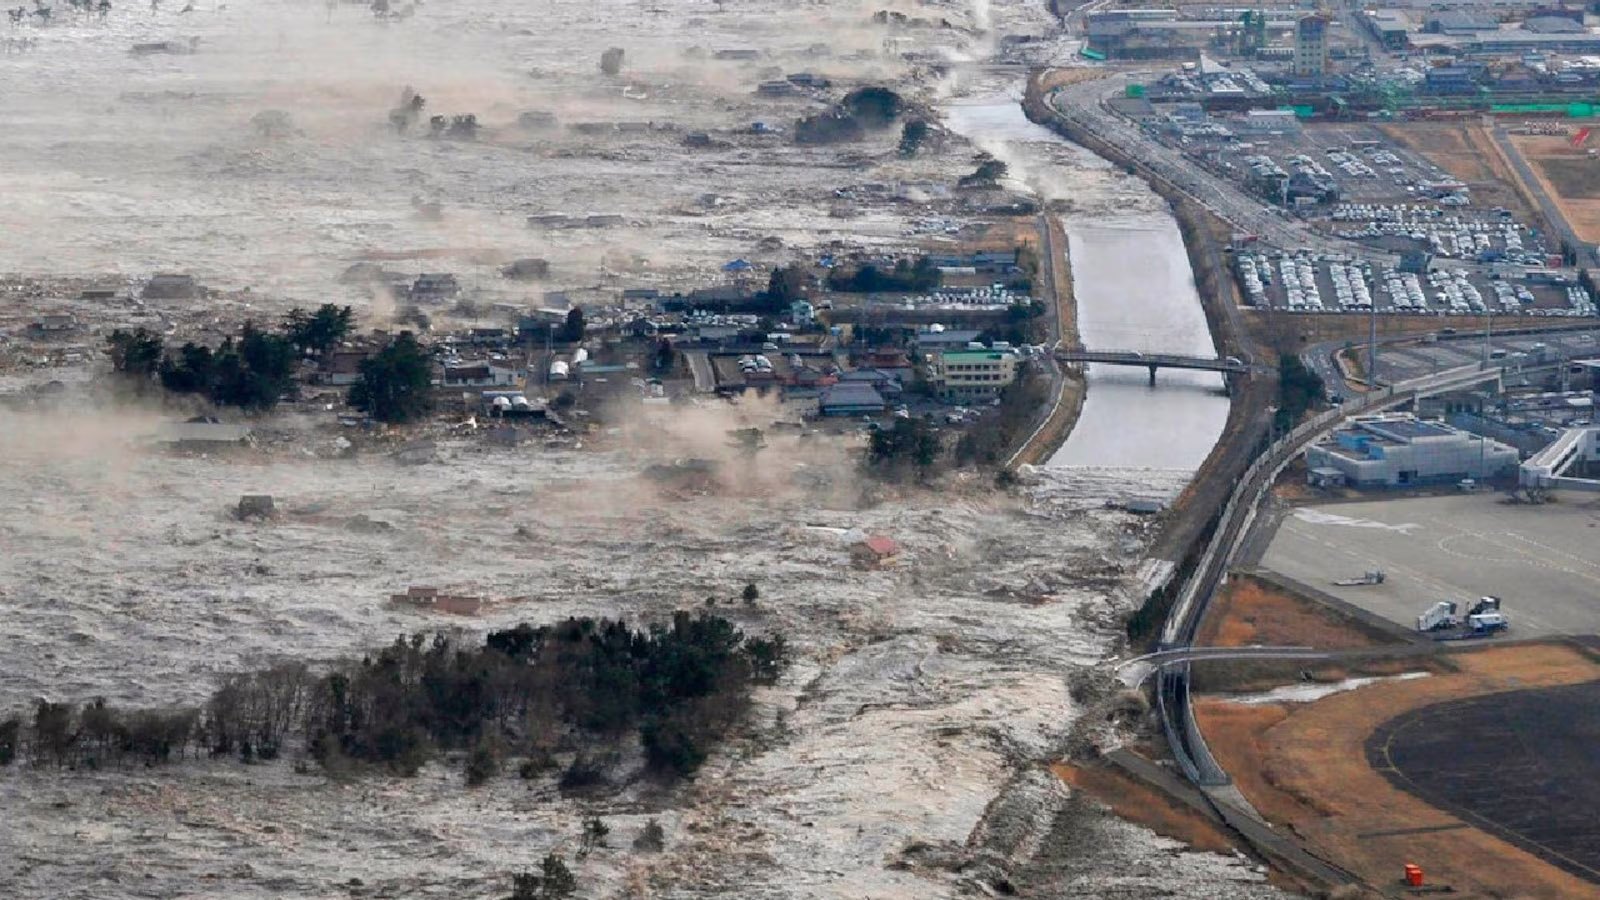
256	369
252	371
528	690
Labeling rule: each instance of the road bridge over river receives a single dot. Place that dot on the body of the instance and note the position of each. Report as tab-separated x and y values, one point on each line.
1153	361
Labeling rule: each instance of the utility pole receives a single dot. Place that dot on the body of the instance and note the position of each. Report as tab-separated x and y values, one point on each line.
1483	438
1372	347
1488	334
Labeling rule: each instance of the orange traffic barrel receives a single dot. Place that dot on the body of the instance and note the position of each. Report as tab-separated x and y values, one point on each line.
1413	875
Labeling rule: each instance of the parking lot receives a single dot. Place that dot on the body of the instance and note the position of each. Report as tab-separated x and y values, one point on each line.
1329	283
1446	230
1539	559
1367	166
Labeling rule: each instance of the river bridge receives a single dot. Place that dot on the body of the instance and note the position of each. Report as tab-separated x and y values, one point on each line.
1153	361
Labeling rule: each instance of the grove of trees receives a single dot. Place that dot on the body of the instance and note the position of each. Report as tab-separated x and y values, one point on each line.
1299	389
594	684
396	385
252	371
906	276
906	443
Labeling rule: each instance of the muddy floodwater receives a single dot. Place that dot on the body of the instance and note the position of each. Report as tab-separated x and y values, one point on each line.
1135	291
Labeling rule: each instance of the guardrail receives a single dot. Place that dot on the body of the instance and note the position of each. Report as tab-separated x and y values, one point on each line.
1238	515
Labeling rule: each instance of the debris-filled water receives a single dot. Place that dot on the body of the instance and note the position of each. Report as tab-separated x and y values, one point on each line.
906	739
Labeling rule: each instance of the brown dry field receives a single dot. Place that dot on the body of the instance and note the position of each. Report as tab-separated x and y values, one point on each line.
1570	178
1137	802
1304	767
1249	611
1466	152
1577	177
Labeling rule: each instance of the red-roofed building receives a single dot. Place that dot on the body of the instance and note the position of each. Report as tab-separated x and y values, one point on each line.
874	551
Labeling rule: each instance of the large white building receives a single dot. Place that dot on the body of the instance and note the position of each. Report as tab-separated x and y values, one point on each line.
1311	46
1396	450
966	376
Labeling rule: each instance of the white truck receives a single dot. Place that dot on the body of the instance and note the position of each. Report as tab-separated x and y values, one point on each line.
1487	623
1438	617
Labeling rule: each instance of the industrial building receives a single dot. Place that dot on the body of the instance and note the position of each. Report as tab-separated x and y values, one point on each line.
960	376
1395	450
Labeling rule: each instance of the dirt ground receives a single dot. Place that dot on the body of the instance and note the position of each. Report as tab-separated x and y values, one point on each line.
1305	768
1466	152
1250	611
1062	77
1569	176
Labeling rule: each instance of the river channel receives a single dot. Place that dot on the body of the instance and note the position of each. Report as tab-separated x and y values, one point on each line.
1134	291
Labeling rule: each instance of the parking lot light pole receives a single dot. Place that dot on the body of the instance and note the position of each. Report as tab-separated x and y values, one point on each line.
1372	346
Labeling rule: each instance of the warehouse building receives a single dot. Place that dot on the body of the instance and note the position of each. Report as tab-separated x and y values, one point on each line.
1397	450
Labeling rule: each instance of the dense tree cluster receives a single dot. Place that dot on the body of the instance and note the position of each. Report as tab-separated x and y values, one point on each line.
135	354
318	331
911	137
864	108
785	286
908	442
252	371
532	690
1299	389
872	106
573	330
1023	325
396	385
906	276
987	174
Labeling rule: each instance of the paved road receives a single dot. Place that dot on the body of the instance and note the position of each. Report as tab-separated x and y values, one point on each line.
1320	357
705	381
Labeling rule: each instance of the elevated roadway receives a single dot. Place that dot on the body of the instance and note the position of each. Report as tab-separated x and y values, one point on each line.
1133	672
1172	687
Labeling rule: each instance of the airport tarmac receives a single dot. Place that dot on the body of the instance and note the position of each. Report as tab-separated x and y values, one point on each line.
1539	559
